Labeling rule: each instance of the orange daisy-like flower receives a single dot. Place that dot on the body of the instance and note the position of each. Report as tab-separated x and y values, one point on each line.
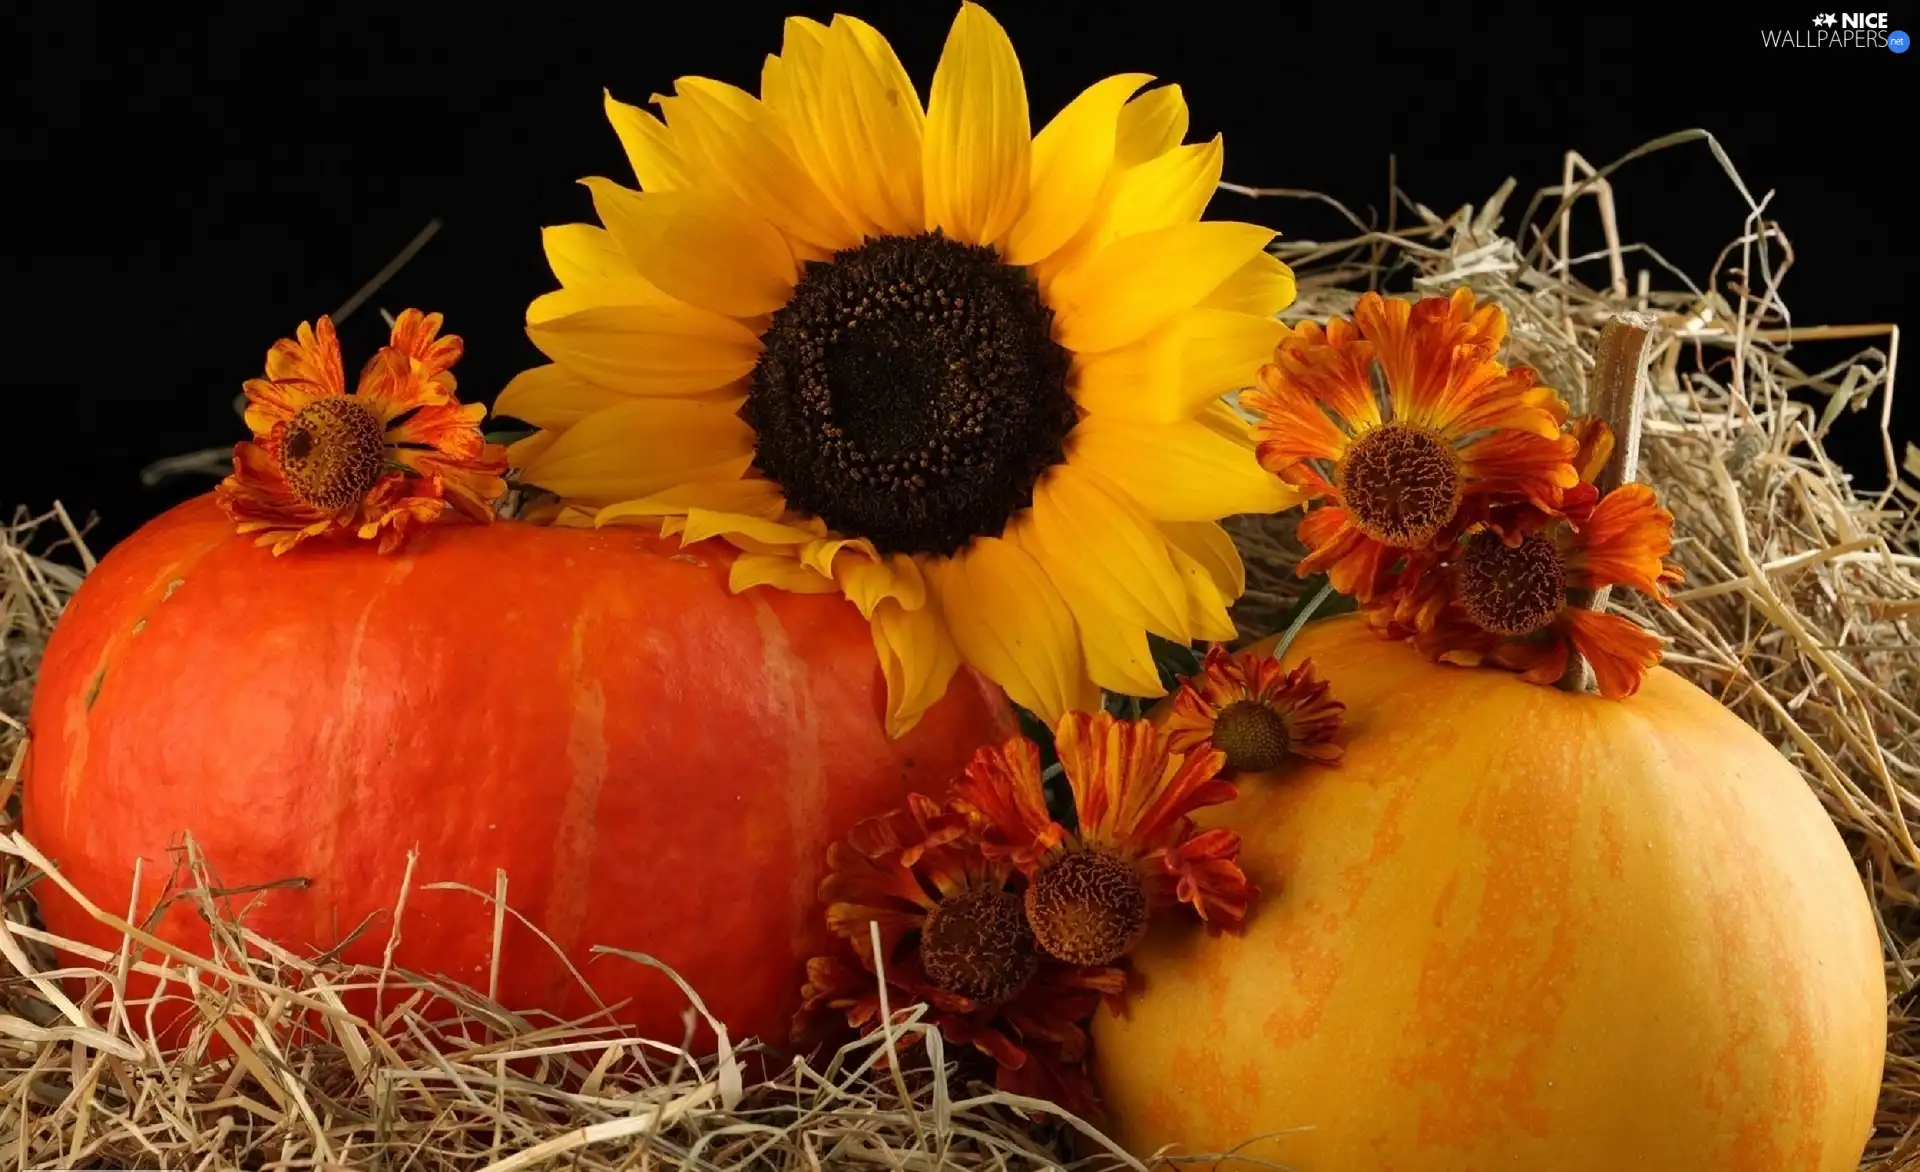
373	464
1255	712
953	936
1402	424
1501	597
1092	890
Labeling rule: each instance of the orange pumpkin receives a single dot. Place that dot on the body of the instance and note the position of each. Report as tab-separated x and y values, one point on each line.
1516	928
657	764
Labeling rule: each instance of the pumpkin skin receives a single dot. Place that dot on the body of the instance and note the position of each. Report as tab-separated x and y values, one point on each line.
1516	928
657	764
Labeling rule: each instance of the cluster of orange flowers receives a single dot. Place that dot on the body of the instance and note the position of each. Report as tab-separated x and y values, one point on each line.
373	464
1452	496
1012	927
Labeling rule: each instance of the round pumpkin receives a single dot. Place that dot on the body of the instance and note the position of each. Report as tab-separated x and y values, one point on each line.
1516	928
656	764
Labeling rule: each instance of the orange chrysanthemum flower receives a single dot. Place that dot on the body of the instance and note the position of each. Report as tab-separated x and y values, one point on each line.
373	464
1500	596
1255	712
1092	890
953	936
1403	425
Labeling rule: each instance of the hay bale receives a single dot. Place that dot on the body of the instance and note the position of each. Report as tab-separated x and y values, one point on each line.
1799	610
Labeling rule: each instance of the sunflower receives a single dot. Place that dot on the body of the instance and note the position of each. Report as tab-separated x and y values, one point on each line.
1501	596
1404	427
1091	891
1255	712
373	464
965	375
953	936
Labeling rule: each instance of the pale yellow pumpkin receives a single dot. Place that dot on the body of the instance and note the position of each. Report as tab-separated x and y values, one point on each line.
1516	928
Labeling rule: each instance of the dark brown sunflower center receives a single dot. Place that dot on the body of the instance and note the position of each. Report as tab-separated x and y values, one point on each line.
1252	735
1088	908
332	452
1512	590
978	945
911	393
1401	484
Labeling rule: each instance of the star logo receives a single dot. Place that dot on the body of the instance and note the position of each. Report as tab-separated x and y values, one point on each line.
1825	18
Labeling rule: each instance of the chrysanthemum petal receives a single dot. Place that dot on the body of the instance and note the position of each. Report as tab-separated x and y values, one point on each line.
1176	370
1072	158
642	447
743	148
270	402
649	146
1619	650
1623	542
1009	621
1002	790
1264	285
649	349
1138	282
311	356
917	658
1178	471
978	143
700	247
1150	125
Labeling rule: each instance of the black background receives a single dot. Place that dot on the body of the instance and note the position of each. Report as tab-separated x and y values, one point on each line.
189	186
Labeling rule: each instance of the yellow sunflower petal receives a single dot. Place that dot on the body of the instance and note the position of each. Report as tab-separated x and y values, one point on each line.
781	573
917	658
1223	419
704	523
1090	534
1138	282
649	349
700	247
587	259
522	452
1072	157
1178	471
649	147
1216	576
1174	372
1150	125
978	146
554	397
1009	621
1117	655
1172	188
883	122
1264	286
868	581
642	447
743	147
793	85
751	498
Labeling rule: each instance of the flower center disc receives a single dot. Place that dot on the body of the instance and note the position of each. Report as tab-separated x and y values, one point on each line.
1088	908
332	452
978	945
1512	590
1252	735
1401	484
911	393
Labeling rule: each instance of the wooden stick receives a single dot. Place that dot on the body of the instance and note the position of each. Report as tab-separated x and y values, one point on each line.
1617	395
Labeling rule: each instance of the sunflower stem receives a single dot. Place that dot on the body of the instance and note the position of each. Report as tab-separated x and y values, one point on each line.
1300	620
1616	395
